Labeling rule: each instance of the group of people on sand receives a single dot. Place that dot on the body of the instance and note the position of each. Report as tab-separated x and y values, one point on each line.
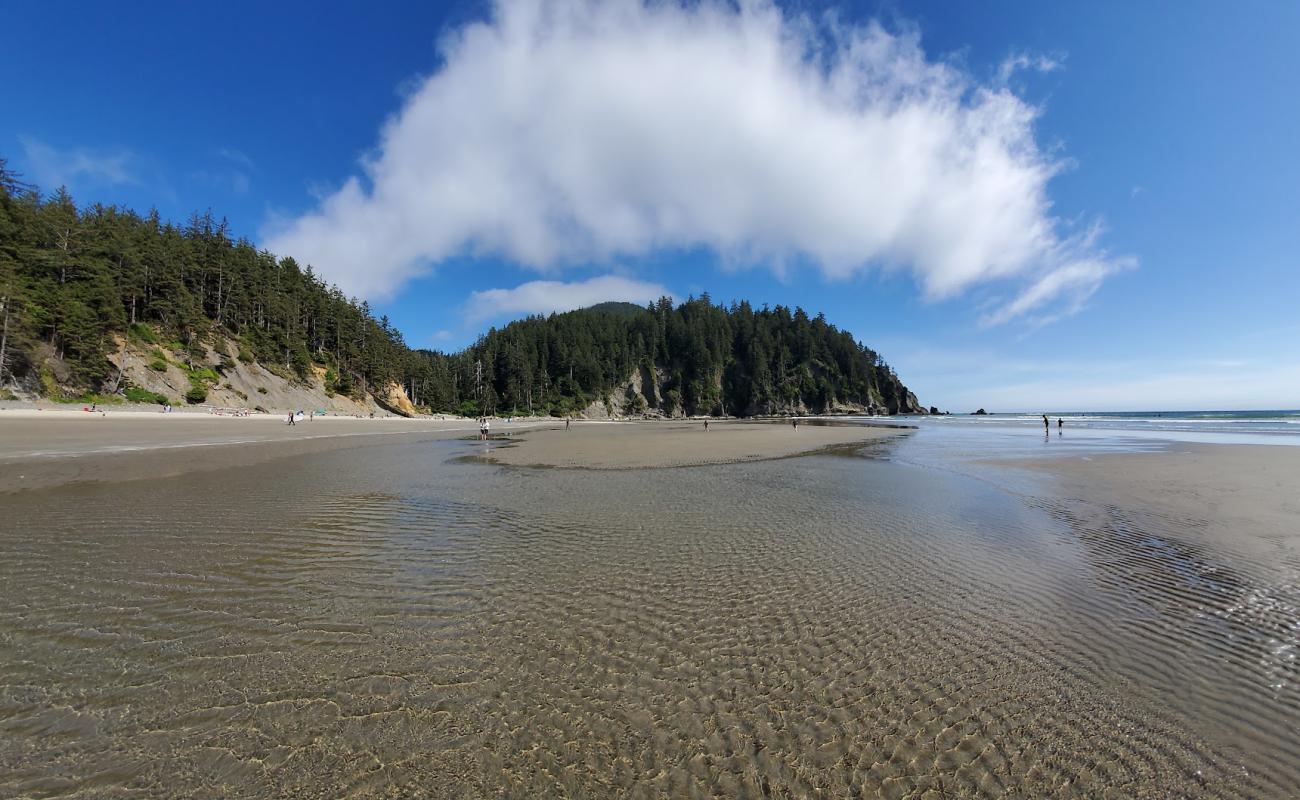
484	429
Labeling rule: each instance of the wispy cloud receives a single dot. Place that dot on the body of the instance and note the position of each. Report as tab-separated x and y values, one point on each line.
545	297
223	176
565	132
50	167
237	157
1019	62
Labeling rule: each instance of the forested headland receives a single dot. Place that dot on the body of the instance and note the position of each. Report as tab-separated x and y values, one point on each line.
80	287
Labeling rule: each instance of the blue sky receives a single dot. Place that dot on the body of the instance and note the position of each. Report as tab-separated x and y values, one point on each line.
1127	239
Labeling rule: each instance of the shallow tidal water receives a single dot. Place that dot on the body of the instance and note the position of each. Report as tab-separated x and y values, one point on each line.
400	621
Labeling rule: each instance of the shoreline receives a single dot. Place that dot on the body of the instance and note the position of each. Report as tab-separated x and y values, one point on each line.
44	449
1243	498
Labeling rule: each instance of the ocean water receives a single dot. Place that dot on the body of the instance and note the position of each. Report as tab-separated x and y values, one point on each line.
405	620
1211	427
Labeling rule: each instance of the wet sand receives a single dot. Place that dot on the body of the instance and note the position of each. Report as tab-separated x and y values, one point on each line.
43	449
411	619
1244	498
48	449
645	445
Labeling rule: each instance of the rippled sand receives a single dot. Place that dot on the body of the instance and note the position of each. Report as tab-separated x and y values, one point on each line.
398	621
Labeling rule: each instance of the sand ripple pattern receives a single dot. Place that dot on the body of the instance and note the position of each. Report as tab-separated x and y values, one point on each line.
388	623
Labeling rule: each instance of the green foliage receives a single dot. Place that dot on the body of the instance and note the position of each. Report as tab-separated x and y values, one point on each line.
142	333
158	362
693	358
261	390
672	401
49	386
81	275
634	405
134	394
197	393
91	398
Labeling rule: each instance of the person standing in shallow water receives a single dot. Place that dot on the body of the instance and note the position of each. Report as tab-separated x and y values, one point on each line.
1060	425
1047	426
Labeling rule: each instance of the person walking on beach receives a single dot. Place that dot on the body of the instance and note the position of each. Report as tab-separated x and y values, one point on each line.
1060	424
291	422
1047	426
566	423
706	424
794	423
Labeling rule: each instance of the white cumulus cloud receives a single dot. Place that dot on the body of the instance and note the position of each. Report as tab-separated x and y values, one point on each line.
563	132
545	297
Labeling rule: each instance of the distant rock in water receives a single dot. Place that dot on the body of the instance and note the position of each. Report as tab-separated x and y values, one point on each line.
934	411
980	413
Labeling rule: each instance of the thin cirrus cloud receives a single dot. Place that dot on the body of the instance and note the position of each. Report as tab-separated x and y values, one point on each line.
564	132
52	167
545	297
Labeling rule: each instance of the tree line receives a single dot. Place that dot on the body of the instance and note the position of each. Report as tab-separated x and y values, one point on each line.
73	280
692	358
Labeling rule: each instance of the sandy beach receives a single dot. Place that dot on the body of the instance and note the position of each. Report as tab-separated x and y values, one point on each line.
648	445
267	607
1244	498
41	449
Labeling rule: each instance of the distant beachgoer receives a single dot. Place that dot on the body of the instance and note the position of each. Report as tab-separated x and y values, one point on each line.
567	421
291	420
1047	426
794	423
706	424
1060	423
487	429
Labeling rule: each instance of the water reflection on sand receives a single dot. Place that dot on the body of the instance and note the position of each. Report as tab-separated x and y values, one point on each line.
387	621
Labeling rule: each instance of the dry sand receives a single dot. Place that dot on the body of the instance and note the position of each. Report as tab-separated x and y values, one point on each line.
634	445
1245	497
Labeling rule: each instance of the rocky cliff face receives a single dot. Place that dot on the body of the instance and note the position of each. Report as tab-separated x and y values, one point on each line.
643	394
218	381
